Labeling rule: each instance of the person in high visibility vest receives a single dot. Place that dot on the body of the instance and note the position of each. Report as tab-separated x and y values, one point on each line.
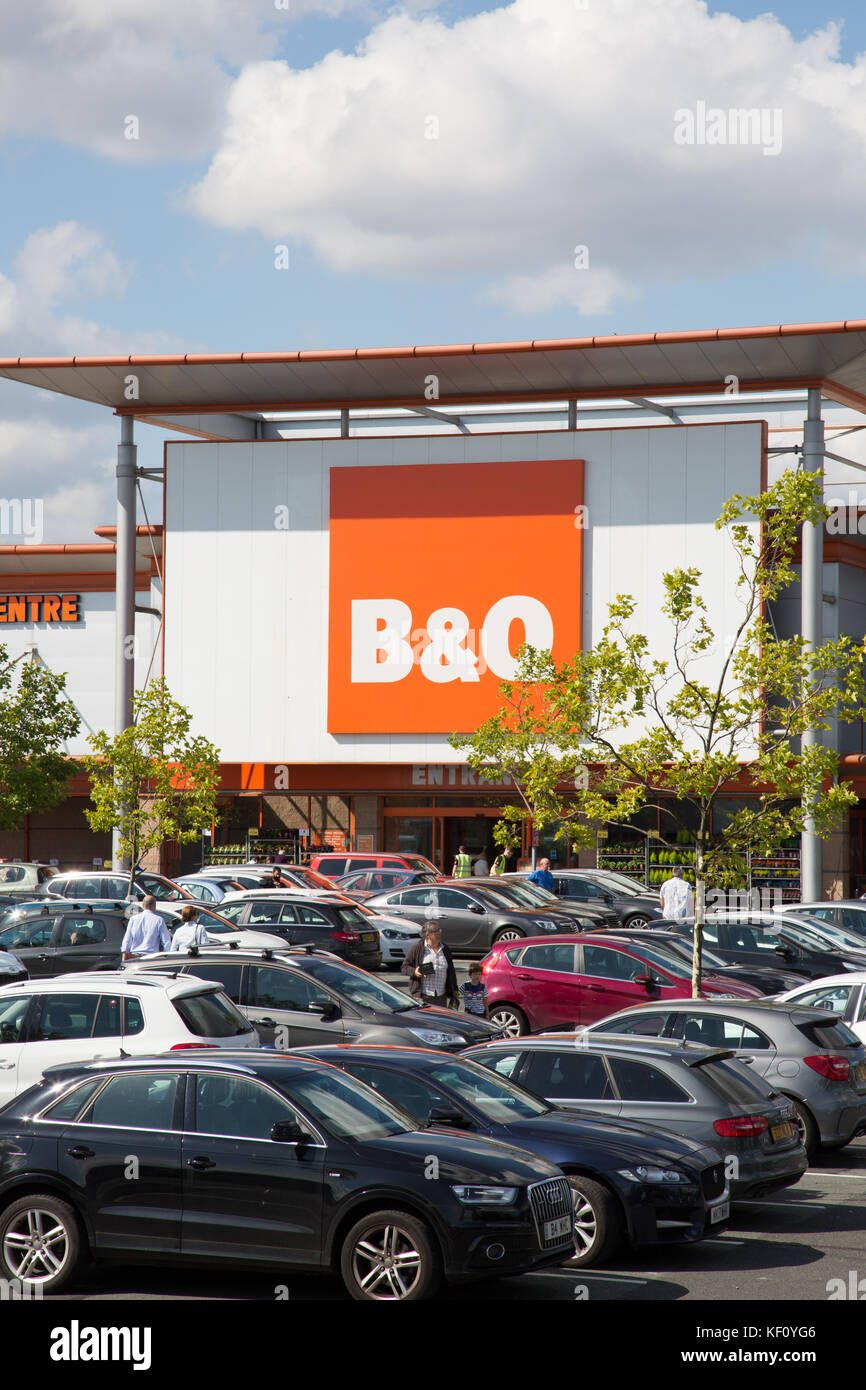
501	863
462	864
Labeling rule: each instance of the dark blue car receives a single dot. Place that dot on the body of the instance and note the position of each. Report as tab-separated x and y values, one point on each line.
627	1180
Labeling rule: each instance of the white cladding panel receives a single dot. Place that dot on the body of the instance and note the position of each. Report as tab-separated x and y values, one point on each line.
246	637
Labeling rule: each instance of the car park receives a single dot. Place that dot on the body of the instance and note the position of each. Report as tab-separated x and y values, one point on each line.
44	1023
336	865
632	906
766	938
808	1055
628	1182
766	979
238	1157
297	997
470	912
563	983
330	921
699	1092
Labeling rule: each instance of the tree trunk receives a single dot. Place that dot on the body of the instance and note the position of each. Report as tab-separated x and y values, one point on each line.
700	904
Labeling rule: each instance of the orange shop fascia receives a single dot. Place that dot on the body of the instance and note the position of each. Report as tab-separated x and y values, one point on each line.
40	608
438	573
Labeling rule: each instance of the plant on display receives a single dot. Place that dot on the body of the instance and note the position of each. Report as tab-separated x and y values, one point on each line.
153	781
36	718
624	726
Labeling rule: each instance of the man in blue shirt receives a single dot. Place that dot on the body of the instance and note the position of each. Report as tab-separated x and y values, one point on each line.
145	933
543	877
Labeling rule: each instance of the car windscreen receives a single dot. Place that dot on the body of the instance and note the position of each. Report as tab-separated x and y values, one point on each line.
351	917
733	1082
497	1099
310	878
624	887
683	953
840	938
516	894
674	965
811	936
211	1015
420	864
345	1106
357	986
211	920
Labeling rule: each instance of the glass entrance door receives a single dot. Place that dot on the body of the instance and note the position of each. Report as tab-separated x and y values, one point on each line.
409	834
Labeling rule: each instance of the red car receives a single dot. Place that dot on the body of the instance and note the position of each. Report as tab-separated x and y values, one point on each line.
336	865
579	979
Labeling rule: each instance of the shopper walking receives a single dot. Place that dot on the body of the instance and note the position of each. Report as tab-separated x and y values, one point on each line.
676	896
146	933
191	932
543	877
430	967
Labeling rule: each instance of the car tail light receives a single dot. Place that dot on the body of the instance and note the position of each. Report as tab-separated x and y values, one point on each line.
345	936
487	965
181	1047
741	1126
834	1068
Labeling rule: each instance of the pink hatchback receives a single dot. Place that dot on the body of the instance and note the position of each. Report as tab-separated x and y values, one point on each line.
575	980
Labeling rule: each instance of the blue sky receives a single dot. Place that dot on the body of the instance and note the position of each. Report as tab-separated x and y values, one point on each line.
555	120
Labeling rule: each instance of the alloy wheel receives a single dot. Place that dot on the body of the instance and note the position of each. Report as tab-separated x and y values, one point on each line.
36	1246
386	1264
585	1222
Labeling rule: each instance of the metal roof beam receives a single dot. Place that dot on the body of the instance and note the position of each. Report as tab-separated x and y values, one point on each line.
652	405
440	415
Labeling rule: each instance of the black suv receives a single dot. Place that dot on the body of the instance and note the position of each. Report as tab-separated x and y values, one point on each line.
332	922
55	937
794	943
303	997
632	907
239	1157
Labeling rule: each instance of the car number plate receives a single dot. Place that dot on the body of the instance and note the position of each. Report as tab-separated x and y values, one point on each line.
563	1226
782	1131
720	1212
860	1072
368	936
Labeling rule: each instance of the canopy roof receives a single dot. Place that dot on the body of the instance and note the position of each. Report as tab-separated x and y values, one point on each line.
831	356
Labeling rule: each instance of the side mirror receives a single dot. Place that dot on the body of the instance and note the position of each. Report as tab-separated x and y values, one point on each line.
443	1115
476	907
646	980
290	1132
328	1008
608	897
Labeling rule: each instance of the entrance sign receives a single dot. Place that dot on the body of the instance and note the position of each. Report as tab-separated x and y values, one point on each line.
438	573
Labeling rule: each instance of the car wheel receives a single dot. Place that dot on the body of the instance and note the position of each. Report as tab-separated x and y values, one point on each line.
40	1242
509	934
510	1019
389	1257
639	920
809	1136
598	1221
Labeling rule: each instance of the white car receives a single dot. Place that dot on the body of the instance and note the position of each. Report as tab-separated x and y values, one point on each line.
844	994
85	1017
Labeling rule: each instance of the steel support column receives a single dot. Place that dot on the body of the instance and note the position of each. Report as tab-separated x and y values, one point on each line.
124	602
812	629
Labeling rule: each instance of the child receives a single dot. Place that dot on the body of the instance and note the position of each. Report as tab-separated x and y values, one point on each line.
474	993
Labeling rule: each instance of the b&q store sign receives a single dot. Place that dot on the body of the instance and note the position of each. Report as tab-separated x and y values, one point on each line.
40	608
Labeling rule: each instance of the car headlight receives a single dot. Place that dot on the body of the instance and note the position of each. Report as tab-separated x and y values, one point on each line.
648	1173
434	1038
393	935
485	1196
544	923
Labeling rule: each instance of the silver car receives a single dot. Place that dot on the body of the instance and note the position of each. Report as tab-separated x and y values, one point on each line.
808	1055
699	1092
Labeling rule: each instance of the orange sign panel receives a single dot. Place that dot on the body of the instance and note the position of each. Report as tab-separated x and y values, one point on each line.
438	573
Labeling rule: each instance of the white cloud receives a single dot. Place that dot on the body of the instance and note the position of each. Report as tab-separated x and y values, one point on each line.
73	70
555	127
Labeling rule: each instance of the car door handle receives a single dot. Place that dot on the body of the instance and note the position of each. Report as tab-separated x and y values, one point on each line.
80	1151
199	1164
599	989
6	1066
265	1022
524	977
747	1060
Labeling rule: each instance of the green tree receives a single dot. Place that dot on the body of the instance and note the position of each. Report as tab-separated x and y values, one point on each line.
154	781
627	726
36	718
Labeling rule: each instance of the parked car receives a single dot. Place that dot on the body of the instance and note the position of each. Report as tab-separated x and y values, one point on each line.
766	938
808	1055
584	916
95	886
766	979
627	1180
364	883
578	979
631	906
335	865
239	1154
471	913
299	997
54	937
23	880
79	1018
842	995
220	930
699	1092
207	889
847	913
326	921
253	875
12	967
